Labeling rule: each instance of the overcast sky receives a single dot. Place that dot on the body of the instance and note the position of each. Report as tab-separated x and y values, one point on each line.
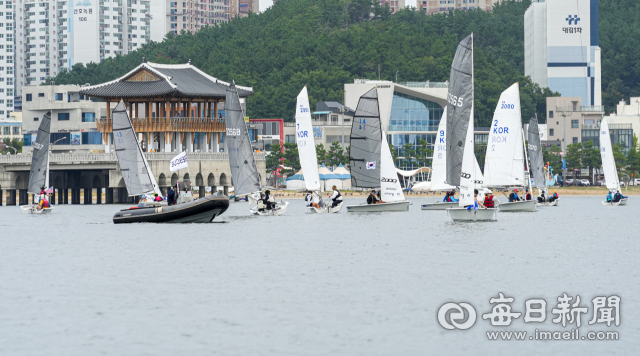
264	4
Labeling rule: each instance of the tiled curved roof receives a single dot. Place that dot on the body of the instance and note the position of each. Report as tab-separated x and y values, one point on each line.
181	80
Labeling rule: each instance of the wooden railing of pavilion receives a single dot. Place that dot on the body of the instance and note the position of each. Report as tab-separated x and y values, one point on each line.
168	125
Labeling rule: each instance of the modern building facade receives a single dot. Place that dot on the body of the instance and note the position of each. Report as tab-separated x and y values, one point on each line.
562	48
191	15
7	58
11	127
438	6
73	118
51	35
394	5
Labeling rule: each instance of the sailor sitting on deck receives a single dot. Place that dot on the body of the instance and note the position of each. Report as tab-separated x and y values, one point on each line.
336	197
514	196
44	203
609	197
553	197
309	199
372	198
476	203
156	197
617	197
448	198
488	199
528	196
542	198
269	201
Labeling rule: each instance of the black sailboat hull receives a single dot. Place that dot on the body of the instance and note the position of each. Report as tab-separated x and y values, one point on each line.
202	210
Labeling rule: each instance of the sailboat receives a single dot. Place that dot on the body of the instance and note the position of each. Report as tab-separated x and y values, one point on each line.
370	158
39	172
461	163
609	164
439	167
244	171
537	162
140	181
505	158
308	157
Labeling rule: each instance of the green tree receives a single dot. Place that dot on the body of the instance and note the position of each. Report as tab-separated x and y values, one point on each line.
619	157
291	157
480	151
335	156
422	151
590	157
321	154
574	159
551	156
274	159
633	158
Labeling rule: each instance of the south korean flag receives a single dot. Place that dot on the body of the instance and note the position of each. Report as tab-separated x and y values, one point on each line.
371	165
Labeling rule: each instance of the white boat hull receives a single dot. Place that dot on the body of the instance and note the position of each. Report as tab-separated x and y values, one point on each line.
30	209
547	203
620	203
327	209
462	214
527	205
402	205
439	206
280	209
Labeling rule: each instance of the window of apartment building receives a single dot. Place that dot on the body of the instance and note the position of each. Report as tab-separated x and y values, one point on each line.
63	116
575	124
40	95
16	130
551	114
575	140
88	117
589	122
36	119
290	138
58	96
550	132
7	130
29	97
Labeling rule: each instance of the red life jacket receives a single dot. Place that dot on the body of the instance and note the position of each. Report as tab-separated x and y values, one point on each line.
488	201
45	203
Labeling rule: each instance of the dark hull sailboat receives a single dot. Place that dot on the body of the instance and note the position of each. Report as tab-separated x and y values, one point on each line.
140	181
201	210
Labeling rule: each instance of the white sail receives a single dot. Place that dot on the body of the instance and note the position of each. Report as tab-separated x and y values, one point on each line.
439	166
504	161
306	143
468	172
390	189
608	161
479	179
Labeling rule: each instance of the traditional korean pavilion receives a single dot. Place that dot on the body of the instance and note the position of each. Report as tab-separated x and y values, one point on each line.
172	106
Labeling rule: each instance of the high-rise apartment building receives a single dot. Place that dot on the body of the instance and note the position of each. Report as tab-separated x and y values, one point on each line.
7	54
437	6
246	6
394	5
561	48
193	15
51	35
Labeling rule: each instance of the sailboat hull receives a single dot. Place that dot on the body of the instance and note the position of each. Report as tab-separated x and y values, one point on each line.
280	209
547	203
326	209
402	205
30	209
622	202
462	214
439	206
201	210
518	206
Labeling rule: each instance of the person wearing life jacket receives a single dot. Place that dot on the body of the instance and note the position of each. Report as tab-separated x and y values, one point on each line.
542	198
44	203
528	195
609	197
488	200
267	202
336	197
448	198
553	197
617	197
514	196
309	199
372	198
157	198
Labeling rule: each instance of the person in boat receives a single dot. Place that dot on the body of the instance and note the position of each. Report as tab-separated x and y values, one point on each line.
44	203
553	197
171	197
528	194
476	203
143	201
157	198
609	197
514	196
542	198
309	199
336	197
488	200
617	197
267	200
372	198
448	198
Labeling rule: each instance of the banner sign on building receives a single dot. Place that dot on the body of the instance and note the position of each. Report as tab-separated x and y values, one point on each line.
179	162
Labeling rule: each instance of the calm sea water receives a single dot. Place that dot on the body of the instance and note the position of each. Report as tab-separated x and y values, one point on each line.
72	283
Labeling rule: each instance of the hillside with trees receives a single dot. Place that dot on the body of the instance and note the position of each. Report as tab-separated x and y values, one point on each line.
327	43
